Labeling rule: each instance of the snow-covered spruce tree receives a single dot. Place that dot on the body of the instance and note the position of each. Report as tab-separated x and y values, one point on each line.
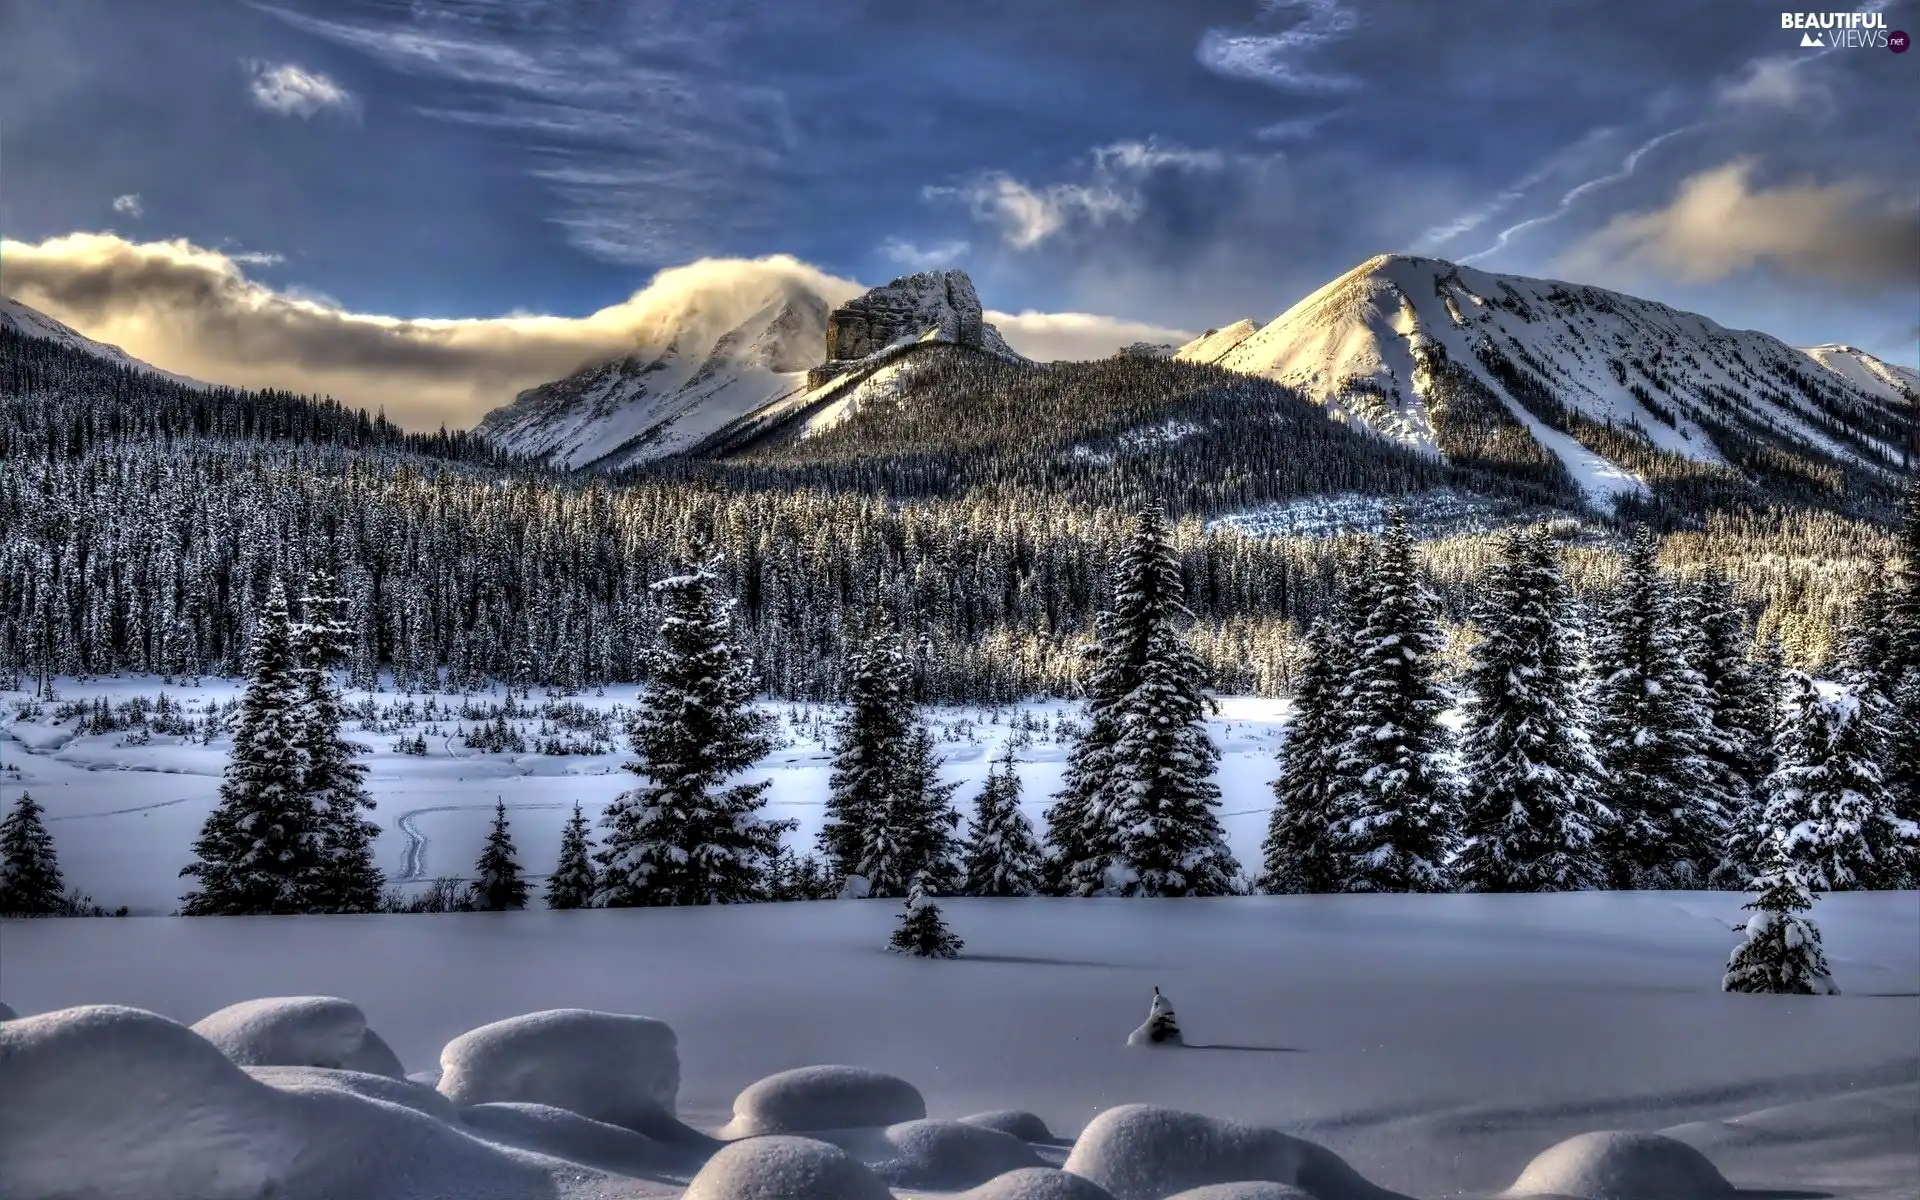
1739	693
1901	751
260	848
1003	856
1669	804
869	745
685	835
922	932
573	882
1827	809
1743	846
1140	805
1299	854
498	884
1781	953
1901	756
1530	814
911	833
333	779
1399	801
30	882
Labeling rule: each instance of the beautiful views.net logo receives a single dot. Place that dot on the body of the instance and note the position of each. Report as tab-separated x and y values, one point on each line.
1850	30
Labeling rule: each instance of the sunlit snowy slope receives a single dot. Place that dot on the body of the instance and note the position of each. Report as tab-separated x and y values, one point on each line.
1368	345
28	321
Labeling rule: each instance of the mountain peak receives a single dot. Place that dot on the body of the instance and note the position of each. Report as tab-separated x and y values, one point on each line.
1603	382
929	306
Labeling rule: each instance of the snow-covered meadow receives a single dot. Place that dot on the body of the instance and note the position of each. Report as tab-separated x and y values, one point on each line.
1436	1044
124	806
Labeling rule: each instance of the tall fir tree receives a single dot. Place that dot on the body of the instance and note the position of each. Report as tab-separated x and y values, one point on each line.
574	882
911	833
1650	720
1742	849
1530	815
1781	953
1138	815
30	882
1398	799
1003	856
260	850
1827	808
870	745
686	835
1901	751
498	885
1739	694
333	778
1300	853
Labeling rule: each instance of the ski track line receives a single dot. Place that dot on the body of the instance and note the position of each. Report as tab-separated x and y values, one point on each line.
121	812
413	860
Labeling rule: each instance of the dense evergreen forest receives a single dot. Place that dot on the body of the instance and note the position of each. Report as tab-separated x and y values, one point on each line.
142	520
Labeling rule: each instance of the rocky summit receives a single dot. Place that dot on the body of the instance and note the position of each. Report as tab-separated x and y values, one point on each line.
930	306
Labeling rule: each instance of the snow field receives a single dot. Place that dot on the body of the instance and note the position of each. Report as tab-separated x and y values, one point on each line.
124	816
1434	1044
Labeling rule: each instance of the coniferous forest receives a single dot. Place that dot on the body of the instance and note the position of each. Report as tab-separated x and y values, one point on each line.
1731	696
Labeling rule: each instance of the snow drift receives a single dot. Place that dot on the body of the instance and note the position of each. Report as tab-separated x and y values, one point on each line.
114	1103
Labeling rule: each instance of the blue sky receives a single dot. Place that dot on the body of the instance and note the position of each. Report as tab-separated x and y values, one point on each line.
1181	163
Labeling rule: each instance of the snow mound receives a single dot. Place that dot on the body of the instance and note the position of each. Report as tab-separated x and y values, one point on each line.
114	1103
1037	1183
785	1168
1622	1166
1244	1191
621	1070
78	1115
543	1129
809	1099
936	1154
384	1088
1141	1152
1023	1125
1161	1028
299	1031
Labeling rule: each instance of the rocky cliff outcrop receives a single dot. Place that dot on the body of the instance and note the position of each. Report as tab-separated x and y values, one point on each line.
931	306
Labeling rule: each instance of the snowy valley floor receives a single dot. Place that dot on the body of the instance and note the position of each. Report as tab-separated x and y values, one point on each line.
1437	1043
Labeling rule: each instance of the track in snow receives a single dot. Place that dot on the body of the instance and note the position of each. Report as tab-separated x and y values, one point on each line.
121	812
413	860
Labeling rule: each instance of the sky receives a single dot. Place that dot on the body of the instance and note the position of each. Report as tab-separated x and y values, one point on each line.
379	197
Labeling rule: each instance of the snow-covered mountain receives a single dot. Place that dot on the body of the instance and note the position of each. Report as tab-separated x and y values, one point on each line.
689	376
694	377
1578	367
28	321
1875	375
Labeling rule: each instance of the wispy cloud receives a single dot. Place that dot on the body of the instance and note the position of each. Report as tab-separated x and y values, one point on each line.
1079	336
1473	219
1027	214
1294	129
129	205
1573	195
651	151
290	90
1282	58
924	258
1848	234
